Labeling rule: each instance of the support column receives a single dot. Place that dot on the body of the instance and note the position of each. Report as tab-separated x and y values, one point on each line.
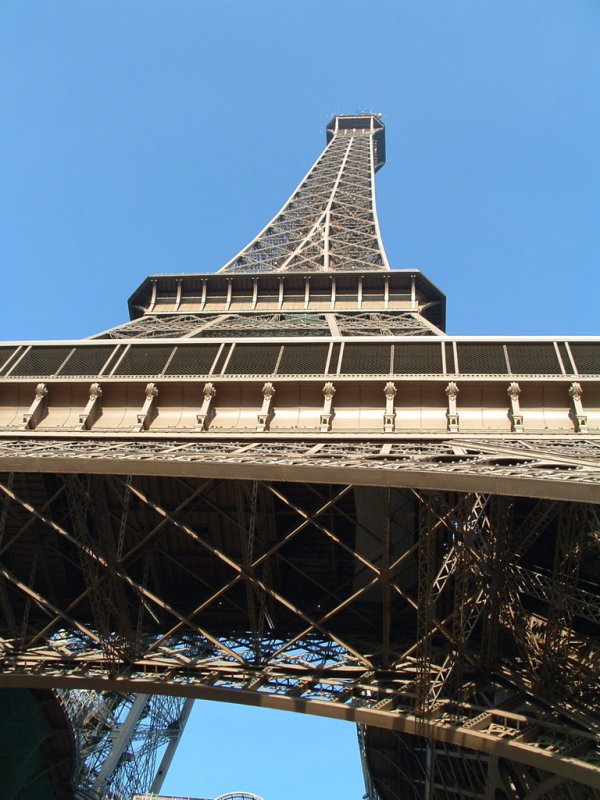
153	297
120	740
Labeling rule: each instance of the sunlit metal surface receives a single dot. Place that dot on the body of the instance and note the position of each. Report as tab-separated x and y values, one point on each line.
283	485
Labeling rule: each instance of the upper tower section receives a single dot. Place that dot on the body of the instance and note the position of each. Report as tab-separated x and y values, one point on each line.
342	124
329	224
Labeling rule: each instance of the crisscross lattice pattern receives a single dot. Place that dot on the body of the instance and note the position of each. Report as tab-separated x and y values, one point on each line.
330	222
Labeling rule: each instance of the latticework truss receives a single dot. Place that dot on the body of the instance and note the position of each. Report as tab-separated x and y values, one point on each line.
329	223
357	516
121	739
171	326
466	619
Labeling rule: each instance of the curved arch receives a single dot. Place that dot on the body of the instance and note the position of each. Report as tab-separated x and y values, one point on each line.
491	467
472	738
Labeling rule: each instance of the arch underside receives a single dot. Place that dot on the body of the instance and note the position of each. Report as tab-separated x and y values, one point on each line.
551	467
465	620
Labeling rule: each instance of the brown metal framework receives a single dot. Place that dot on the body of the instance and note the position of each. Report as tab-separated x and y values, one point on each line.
394	529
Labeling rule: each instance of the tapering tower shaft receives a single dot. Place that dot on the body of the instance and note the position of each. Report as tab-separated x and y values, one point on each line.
330	221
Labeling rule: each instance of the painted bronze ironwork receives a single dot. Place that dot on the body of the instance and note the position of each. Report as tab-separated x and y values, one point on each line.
282	484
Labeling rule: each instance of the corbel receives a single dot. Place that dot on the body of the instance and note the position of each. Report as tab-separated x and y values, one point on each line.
389	418
516	418
206	412
37	410
579	417
452	412
148	411
92	409
266	412
327	413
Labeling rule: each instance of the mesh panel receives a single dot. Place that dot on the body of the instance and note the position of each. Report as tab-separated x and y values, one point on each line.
193	360
485	358
535	358
587	357
303	359
370	359
418	358
253	359
145	360
450	365
86	361
41	361
5	354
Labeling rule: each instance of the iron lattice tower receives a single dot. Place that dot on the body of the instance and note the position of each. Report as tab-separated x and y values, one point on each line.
283	484
124	742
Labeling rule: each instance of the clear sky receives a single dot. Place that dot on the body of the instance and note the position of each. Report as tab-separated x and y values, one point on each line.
153	136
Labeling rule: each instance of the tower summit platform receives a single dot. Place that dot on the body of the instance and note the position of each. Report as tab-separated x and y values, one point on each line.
371	124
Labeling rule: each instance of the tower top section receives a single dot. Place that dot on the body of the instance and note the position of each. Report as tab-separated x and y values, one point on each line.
329	224
354	124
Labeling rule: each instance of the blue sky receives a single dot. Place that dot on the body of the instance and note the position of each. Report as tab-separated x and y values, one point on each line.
155	136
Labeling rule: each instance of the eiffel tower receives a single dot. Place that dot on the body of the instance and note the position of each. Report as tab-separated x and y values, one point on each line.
283	484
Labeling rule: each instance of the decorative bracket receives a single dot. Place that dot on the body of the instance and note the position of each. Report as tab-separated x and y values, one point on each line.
37	410
327	413
206	412
148	411
580	418
389	418
516	418
266	412
452	412
92	409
